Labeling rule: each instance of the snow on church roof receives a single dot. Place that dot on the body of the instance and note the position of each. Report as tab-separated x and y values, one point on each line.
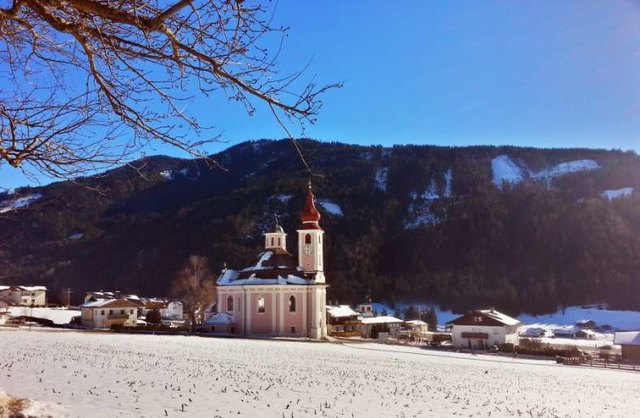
274	266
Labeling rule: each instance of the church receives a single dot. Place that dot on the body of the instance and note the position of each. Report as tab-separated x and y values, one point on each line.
281	295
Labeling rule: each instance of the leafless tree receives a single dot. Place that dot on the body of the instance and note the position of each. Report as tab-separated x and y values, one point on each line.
78	76
194	285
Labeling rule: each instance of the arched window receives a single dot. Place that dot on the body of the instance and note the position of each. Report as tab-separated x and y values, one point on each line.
292	303
279	242
272	241
307	239
261	308
230	304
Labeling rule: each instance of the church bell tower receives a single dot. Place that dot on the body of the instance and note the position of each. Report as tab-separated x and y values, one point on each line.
310	254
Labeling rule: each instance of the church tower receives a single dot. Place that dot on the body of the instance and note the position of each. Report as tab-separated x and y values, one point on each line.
310	254
276	239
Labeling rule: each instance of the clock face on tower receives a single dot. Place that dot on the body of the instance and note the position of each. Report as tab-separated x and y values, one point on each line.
307	250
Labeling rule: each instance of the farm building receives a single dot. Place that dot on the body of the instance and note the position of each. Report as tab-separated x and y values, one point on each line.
482	329
630	343
343	321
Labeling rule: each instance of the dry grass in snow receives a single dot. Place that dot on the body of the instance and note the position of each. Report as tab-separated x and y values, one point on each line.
87	374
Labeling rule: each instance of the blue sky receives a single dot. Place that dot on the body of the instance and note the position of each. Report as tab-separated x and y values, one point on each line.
529	73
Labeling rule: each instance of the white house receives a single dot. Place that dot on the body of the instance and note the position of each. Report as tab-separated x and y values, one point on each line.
104	313
482	329
24	295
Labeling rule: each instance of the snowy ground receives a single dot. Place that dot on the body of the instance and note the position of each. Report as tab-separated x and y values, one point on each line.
109	375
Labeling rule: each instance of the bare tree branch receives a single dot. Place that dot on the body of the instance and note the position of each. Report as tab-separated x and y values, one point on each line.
87	83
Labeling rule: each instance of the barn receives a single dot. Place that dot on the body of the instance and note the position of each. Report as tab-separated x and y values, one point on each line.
630	343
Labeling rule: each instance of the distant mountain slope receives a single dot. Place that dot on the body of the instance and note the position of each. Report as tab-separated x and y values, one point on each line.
518	228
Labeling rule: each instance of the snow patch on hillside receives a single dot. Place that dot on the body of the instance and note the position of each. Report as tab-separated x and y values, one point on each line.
566	168
617	193
506	170
19	202
282	198
448	178
330	207
184	172
381	178
76	236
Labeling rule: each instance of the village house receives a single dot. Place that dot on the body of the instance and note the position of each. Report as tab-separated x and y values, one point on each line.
365	310
481	329
386	324
170	310
104	313
281	295
586	324
630	343
24	295
343	321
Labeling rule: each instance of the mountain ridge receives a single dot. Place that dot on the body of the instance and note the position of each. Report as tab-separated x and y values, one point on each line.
440	229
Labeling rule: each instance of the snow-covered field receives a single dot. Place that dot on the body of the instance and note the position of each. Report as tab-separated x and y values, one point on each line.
109	375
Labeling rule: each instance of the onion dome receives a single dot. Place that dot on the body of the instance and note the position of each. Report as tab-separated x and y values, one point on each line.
310	215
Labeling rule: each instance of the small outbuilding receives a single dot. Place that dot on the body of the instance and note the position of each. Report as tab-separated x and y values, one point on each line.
481	329
630	343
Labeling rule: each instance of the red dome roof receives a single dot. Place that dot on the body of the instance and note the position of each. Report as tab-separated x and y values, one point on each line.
310	215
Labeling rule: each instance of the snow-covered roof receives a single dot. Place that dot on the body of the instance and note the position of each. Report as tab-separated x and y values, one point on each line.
106	302
33	288
4	288
222	318
341	311
274	267
380	320
627	338
489	313
416	322
499	316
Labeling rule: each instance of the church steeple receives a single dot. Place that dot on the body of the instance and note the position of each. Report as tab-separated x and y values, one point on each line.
310	254
276	239
310	215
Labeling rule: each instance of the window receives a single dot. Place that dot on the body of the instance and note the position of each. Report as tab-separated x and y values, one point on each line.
279	242
319	239
477	319
101	312
121	311
110	311
292	303
230	304
261	308
307	239
272	241
131	312
293	330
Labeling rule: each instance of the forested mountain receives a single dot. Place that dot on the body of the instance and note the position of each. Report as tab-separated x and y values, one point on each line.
521	229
